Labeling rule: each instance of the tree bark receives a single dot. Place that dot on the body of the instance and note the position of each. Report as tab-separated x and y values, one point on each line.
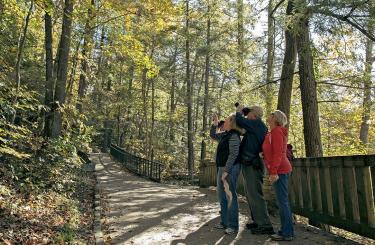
189	89
86	53
289	63
206	81
62	67
69	88
21	44
311	126
173	91
270	60
240	43
367	84
49	86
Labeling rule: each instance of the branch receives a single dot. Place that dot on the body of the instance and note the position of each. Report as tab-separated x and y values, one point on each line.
329	101
276	7
271	82
344	86
347	20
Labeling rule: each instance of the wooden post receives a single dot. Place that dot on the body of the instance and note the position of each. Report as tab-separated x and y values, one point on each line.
369	196
340	192
328	190
350	187
317	193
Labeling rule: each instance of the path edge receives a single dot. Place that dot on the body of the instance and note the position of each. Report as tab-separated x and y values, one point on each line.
97	208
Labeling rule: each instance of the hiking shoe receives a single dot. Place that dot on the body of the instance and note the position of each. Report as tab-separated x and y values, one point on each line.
277	237
219	226
251	225
230	231
263	231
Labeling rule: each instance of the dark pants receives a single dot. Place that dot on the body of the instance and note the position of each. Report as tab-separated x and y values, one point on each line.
281	188
229	214
253	179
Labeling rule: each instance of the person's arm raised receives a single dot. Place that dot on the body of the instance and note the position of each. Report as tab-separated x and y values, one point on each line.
247	124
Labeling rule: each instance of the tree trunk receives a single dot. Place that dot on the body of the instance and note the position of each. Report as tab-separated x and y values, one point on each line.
69	89
367	82
189	89
98	86
240	43
311	126
49	86
173	91
269	93
21	44
86	53
62	67
152	118
289	63
206	81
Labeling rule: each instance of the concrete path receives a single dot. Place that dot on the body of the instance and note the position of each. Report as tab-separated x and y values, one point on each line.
138	211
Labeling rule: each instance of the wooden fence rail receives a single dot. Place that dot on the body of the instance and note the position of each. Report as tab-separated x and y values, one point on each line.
337	191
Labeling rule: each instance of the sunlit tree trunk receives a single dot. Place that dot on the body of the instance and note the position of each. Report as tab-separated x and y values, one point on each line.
86	53
367	83
270	87
189	89
311	126
289	63
240	43
206	81
21	44
62	67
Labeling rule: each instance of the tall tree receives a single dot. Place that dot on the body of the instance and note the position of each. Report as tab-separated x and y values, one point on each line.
311	125
270	58
49	86
189	90
240	43
367	81
289	63
86	53
21	44
206	80
173	92
62	68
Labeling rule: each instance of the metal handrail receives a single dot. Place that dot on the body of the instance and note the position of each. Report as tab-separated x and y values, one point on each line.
140	166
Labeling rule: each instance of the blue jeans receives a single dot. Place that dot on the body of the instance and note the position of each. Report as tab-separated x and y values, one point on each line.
229	215
281	188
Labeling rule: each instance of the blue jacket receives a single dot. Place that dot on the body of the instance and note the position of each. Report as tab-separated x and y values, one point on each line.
252	141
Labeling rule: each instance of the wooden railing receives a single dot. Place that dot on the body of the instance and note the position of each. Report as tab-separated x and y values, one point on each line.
137	165
337	191
207	176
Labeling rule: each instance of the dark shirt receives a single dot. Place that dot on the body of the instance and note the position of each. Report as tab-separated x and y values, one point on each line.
252	141
227	149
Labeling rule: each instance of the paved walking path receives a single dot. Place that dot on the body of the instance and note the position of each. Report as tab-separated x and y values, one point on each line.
138	211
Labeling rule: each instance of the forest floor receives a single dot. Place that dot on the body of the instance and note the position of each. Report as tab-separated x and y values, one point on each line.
138	211
49	217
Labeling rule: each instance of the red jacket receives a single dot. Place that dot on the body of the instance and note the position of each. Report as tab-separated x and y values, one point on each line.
274	151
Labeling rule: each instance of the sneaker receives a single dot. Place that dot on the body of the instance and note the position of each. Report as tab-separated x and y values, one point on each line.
263	231
277	237
219	226
230	231
251	225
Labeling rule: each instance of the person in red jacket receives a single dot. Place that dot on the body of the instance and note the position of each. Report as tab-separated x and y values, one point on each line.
279	168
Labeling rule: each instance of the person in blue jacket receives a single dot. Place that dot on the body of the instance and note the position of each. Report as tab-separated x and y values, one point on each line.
253	167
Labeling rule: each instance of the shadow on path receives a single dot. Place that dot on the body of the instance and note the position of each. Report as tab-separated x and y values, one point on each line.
138	211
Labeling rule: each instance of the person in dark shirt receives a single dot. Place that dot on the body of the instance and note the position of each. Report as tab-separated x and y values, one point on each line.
253	167
228	171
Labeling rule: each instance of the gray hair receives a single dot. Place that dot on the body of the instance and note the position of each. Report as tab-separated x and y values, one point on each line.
257	111
280	118
234	126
